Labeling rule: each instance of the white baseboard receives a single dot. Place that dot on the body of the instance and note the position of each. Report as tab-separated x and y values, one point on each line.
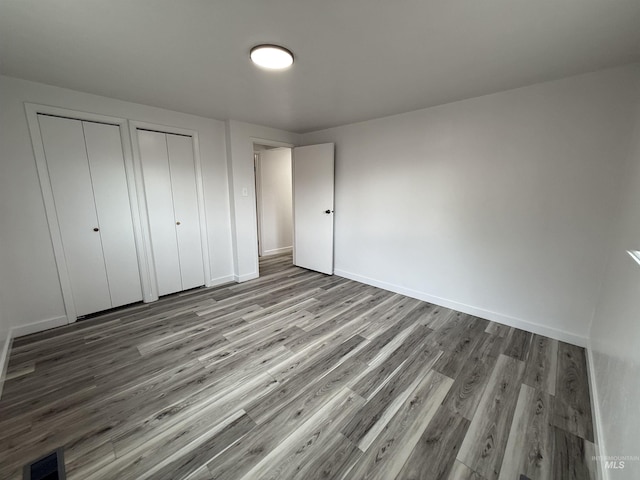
603	473
35	327
214	282
471	310
245	277
276	251
19	331
4	359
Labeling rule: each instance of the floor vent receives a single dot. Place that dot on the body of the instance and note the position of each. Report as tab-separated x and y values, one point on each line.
49	467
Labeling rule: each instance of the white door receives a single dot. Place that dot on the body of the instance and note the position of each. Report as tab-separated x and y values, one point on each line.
86	171
168	168
106	162
185	207
66	156
313	168
157	188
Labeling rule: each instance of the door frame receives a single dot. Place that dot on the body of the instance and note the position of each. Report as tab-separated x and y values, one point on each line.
32	111
150	270
268	143
257	160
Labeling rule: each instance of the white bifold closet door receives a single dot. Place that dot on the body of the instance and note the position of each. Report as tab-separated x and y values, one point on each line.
87	175
168	167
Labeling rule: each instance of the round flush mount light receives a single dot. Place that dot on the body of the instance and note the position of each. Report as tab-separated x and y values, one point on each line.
271	57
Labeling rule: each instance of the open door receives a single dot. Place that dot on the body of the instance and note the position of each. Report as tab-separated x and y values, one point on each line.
313	207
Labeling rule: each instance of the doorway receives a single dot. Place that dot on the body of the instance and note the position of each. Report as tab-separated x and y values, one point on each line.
274	205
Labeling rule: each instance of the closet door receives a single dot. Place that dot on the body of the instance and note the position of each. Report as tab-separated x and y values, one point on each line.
70	178
106	164
185	207
168	168
157	186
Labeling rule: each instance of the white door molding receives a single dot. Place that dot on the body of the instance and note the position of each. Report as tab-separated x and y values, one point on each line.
269	143
257	159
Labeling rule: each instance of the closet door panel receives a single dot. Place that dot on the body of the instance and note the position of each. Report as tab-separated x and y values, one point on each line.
70	179
157	185
185	203
106	164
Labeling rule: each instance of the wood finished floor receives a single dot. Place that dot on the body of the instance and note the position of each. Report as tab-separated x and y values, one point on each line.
297	375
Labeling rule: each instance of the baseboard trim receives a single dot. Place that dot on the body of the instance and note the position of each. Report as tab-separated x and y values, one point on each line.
39	326
19	331
214	282
276	251
469	309
245	277
4	359
603	473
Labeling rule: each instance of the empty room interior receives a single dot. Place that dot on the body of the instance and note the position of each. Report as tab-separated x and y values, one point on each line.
319	240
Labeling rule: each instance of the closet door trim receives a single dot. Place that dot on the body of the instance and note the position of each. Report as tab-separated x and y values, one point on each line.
32	111
134	126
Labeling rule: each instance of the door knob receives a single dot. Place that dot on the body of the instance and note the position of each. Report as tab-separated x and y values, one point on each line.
328	211
96	229
177	223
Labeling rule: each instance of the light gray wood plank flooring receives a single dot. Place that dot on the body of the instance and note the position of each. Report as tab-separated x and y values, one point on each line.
296	375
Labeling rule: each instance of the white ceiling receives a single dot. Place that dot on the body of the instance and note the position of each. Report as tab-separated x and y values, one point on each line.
355	59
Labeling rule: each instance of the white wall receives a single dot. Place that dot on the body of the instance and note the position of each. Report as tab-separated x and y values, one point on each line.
498	206
273	182
615	333
29	279
240	139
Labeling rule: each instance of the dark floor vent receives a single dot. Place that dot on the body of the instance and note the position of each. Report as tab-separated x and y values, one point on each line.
49	467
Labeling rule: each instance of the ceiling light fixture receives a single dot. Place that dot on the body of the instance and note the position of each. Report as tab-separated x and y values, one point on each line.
271	57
